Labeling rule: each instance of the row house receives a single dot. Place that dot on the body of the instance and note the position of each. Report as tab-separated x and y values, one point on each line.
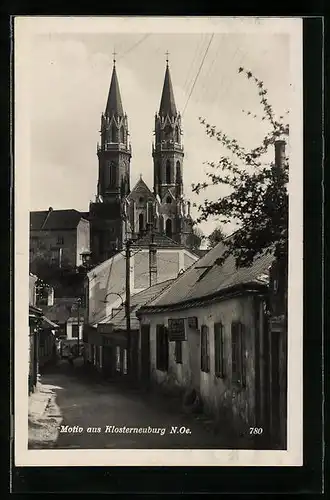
41	347
155	259
209	335
107	346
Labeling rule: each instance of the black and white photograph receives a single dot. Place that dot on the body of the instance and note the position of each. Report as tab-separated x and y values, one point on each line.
158	254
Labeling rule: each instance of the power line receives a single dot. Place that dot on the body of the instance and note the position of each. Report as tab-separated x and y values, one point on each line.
208	74
199	70
189	77
134	46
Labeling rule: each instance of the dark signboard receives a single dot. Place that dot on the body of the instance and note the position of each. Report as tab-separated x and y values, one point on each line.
193	323
176	329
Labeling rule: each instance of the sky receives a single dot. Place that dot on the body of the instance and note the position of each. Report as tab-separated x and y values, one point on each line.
70	77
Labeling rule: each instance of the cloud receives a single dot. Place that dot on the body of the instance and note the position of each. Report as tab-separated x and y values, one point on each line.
71	77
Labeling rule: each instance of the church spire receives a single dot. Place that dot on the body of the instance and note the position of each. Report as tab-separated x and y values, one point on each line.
114	105
167	103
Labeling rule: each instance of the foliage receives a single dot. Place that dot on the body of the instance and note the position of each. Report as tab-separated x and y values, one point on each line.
195	238
258	199
216	236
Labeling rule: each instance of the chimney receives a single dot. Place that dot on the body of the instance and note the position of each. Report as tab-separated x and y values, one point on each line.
279	153
152	262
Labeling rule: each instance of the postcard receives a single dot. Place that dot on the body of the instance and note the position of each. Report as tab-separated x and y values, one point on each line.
158	241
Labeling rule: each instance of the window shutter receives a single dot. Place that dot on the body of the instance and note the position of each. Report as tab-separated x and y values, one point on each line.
218	350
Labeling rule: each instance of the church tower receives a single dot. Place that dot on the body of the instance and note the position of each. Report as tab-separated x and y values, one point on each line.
167	151
114	152
107	214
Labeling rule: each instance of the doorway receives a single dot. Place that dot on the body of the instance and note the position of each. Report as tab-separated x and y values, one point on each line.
145	355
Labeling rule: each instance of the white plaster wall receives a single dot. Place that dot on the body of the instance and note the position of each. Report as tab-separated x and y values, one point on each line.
217	393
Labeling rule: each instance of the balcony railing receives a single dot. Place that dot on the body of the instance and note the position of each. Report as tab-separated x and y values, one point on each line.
114	146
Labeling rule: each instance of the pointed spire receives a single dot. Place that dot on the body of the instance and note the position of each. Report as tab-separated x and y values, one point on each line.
114	104
167	103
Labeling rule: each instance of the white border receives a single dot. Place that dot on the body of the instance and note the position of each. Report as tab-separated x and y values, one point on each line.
25	28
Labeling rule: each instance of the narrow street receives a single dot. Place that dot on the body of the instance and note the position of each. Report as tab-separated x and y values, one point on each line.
106	415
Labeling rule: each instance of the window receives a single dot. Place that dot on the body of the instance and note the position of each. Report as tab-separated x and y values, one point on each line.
74	330
161	348
168	199
168	172
205	357
122	135
150	212
141	223
178	173
168	228
112	173
60	240
177	134
114	132
237	340
178	351
218	350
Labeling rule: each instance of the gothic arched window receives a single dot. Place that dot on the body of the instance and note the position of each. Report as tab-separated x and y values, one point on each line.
168	228
122	135
168	199
178	172
114	132
141	223
168	172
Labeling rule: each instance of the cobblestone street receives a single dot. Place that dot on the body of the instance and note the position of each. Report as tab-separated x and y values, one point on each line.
69	397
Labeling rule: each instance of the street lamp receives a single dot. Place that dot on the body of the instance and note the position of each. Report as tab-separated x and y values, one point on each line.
113	293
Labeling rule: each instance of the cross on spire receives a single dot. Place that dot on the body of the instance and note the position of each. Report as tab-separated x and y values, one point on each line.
114	57
167	54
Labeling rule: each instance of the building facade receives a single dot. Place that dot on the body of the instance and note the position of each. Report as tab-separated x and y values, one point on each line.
59	238
118	212
106	283
209	335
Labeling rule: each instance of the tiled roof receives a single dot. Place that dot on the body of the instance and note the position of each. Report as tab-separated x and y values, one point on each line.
205	278
167	103
160	240
114	105
118	321
54	219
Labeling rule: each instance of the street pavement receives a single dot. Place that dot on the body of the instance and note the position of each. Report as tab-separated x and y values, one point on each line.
72	409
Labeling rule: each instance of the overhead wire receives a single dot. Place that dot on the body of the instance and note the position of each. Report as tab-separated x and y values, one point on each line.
134	46
190	73
198	72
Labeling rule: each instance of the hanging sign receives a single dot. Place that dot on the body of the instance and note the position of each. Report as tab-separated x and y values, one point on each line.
176	329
